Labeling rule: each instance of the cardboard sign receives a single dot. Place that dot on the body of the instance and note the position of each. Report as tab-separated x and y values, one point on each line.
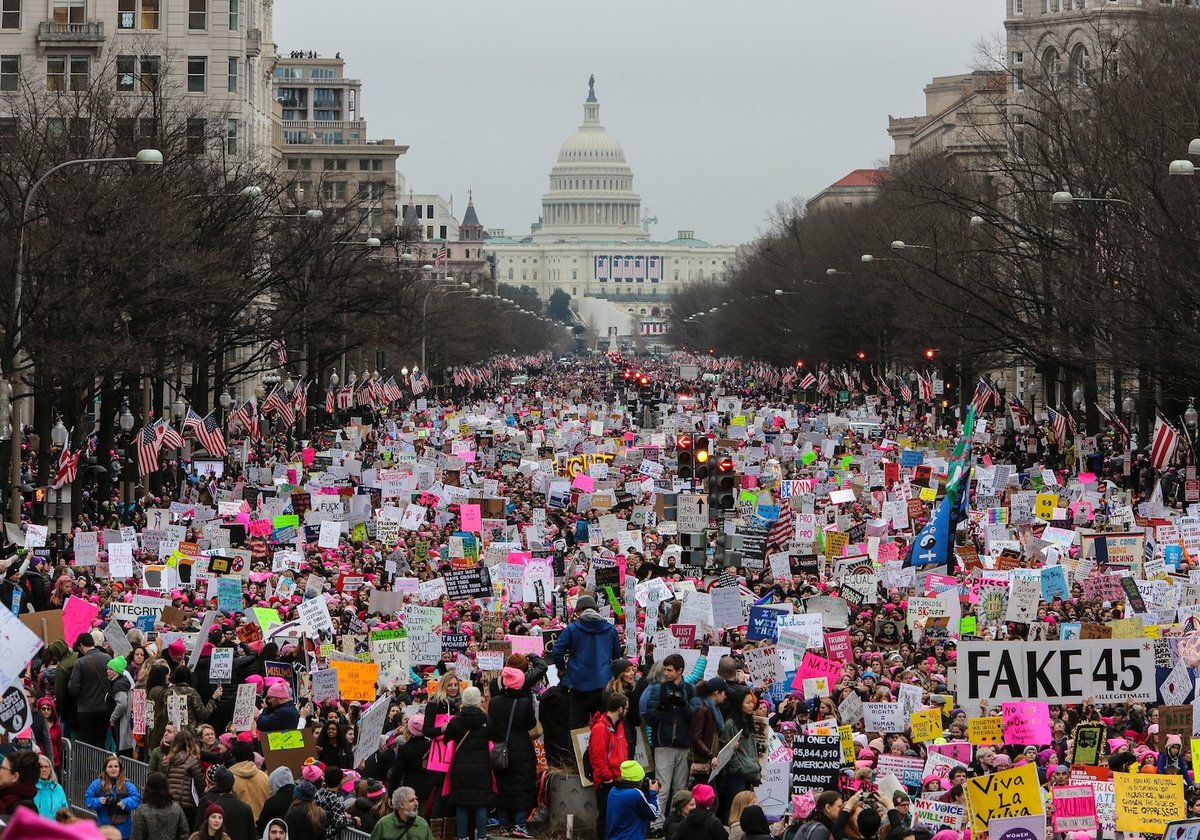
356	680
288	749
1009	793
1074	808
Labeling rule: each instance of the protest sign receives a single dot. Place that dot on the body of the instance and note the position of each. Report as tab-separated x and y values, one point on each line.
1010	793
356	680
1089	744
243	708
15	714
1074	808
221	666
1106	670
1026	723
288	748
937	814
926	725
1146	803
815	761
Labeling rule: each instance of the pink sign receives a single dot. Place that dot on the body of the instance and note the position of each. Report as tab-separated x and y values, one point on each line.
260	527
958	750
583	482
307	456
520	558
817	666
472	518
1074	808
838	646
77	618
888	551
1026	723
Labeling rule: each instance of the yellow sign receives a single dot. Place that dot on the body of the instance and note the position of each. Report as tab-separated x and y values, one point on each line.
1013	793
986	730
835	543
738	420
1044	507
847	736
356	680
928	494
1146	803
1196	752
926	725
291	739
1128	628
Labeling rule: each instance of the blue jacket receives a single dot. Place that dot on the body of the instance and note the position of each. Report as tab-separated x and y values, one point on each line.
584	653
104	812
285	717
668	709
50	797
630	813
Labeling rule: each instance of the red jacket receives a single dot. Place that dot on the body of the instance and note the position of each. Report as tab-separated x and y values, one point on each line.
607	749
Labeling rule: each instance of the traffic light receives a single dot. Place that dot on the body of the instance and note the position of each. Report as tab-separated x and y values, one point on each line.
722	485
685	463
800	364
930	354
860	355
701	458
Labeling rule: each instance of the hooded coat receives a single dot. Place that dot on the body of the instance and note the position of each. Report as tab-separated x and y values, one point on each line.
516	787
251	785
585	650
282	783
121	720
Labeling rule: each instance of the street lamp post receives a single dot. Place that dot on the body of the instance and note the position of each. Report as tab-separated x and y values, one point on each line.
449	288
146	157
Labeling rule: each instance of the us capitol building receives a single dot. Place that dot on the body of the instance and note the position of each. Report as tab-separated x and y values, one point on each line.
590	241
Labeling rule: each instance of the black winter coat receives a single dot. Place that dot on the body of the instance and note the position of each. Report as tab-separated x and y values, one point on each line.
516	787
276	807
471	769
409	769
556	727
701	824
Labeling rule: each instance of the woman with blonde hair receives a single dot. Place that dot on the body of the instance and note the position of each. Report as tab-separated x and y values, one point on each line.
444	703
741	802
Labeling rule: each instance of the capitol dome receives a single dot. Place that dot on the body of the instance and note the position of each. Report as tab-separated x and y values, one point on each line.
591	195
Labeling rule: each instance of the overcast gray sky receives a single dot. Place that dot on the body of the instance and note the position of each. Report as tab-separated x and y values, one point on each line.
724	108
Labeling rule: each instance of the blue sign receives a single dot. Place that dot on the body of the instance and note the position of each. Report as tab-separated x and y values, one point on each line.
1173	555
763	623
1054	583
145	623
912	458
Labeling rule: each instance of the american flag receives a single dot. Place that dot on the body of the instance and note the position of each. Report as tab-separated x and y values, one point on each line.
1162	444
207	432
148	443
982	397
300	399
393	390
276	402
823	382
808	381
926	388
281	354
782	530
1019	412
169	436
440	257
68	466
884	390
329	401
905	392
1071	427
1058	423
1114	421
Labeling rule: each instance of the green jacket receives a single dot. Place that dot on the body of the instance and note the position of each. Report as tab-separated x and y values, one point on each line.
390	828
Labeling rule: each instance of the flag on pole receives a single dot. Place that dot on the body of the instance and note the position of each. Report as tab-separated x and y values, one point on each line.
281	354
276	402
982	397
1113	421
1071	427
1058	423
1162	444
148	443
169	436
1019	412
926	388
905	392
440	256
68	466
207	432
300	399
329	400
808	381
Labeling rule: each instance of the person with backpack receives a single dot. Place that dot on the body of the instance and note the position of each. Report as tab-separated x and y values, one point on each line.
632	806
608	749
668	708
197	711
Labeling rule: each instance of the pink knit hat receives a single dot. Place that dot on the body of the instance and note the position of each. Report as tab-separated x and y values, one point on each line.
280	691
512	678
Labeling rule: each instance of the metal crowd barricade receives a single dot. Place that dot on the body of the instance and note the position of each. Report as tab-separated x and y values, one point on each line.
82	764
353	834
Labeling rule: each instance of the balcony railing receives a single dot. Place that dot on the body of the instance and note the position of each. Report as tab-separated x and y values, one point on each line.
86	32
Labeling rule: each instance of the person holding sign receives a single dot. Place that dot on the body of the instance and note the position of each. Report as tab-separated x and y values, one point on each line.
280	713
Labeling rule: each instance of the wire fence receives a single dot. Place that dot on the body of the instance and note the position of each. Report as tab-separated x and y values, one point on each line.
83	763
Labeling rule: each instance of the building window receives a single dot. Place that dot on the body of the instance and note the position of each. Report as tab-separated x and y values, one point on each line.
126	72
150	65
197	69
1018	58
126	14
10	72
231	138
510	274
69	12
196	126
377	165
429	232
420	209
364	165
197	14
299	163
10	14
429	211
574	274
233	75
334	190
1079	64
1018	7
150	11
233	15
67	72
442	232
335	164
